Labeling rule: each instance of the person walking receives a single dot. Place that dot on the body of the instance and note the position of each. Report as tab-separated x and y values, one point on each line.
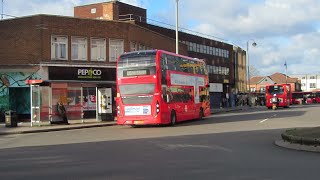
62	113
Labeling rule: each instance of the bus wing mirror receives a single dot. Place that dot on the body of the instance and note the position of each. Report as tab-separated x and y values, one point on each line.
167	98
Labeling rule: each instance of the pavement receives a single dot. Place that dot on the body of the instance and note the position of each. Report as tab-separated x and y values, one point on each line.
25	127
305	139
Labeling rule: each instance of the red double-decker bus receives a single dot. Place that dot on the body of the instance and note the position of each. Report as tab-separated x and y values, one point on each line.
297	97
159	87
309	97
316	95
283	92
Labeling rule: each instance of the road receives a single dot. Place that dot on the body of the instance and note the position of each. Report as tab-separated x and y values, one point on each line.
237	145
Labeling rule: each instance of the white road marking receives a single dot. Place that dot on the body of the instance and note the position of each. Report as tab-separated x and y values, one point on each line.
263	120
178	146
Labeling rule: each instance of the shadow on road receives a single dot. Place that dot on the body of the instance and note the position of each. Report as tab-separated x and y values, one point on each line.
257	114
244	117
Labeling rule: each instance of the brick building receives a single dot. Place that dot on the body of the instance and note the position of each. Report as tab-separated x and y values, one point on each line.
258	84
75	58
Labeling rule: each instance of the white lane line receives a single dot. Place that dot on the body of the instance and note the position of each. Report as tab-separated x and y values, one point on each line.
263	120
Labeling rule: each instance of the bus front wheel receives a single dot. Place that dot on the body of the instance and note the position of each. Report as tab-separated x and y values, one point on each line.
173	118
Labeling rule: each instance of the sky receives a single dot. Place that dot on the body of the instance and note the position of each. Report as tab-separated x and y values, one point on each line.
284	30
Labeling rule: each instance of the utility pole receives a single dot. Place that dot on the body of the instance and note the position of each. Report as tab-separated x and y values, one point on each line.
1	9
177	39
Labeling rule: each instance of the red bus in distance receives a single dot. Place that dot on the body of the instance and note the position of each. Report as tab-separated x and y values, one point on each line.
283	92
297	97
316	95
158	87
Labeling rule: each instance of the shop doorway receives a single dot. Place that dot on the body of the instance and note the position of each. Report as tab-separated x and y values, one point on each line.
89	102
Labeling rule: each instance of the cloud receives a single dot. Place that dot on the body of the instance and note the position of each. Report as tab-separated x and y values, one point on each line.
285	30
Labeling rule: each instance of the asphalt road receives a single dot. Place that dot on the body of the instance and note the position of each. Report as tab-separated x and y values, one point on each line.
225	146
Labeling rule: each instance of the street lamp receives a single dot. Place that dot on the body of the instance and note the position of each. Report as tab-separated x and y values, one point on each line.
254	44
177	39
2	10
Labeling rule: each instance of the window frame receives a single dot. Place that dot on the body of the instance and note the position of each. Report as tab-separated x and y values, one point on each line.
118	53
59	43
85	50
104	48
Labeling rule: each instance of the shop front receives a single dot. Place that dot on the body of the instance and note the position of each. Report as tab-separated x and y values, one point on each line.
33	93
86	93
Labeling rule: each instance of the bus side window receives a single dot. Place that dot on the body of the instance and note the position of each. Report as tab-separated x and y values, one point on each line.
171	63
164	67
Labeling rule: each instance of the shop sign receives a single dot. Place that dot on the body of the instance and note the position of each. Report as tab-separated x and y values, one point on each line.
82	73
89	73
216	87
33	81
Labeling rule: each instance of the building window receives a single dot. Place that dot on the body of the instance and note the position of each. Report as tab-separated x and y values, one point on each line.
312	77
303	77
312	85
303	84
133	46
78	48
115	49
201	49
98	49
59	47
141	47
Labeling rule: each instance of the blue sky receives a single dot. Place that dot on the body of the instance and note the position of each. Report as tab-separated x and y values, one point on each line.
285	30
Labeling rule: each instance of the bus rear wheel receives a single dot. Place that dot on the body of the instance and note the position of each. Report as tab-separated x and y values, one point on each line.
173	118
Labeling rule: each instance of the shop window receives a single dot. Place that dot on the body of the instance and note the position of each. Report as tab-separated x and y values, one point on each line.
115	49
98	49
79	48
89	102
59	47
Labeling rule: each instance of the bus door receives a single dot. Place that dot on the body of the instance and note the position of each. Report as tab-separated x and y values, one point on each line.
190	106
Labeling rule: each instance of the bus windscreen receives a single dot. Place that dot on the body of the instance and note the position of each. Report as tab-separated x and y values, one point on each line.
135	89
275	90
136	65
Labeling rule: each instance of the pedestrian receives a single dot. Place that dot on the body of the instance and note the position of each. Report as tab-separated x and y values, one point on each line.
62	113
